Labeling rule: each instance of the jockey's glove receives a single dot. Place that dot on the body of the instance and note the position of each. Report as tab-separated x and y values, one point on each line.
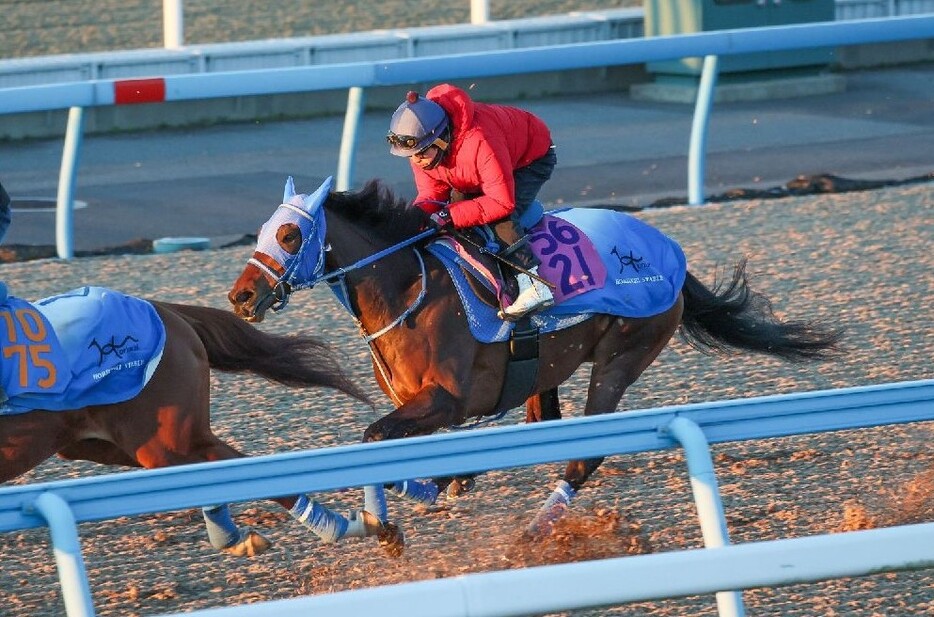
442	220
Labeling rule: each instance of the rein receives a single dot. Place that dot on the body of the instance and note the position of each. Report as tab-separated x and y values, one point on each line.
283	287
341	272
341	293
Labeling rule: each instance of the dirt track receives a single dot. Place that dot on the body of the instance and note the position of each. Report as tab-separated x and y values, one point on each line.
862	260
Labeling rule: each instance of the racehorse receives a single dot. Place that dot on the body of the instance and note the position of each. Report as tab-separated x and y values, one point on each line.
97	375
430	335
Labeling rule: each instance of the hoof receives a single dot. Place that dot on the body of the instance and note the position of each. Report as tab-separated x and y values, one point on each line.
460	487
544	524
536	533
251	544
392	540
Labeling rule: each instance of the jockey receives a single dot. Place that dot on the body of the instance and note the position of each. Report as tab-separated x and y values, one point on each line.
488	163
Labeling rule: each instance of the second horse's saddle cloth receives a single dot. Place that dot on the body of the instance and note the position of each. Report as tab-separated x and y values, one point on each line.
89	346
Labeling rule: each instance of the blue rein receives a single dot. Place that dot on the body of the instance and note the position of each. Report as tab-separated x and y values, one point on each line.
284	287
340	272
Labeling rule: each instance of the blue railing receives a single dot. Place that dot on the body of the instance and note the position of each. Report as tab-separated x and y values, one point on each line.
62	505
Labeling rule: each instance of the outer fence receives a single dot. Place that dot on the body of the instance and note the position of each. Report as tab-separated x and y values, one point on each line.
173	22
357	76
608	582
61	505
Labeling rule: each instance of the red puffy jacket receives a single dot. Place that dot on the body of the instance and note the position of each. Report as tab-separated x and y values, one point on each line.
488	143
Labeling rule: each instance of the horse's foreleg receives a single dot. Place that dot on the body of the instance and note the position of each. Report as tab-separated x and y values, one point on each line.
543	406
28	439
539	407
429	410
432	408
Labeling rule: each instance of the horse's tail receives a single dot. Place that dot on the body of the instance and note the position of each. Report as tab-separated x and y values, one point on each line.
719	318
233	345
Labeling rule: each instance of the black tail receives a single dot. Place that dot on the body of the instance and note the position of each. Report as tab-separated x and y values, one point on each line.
233	345
720	319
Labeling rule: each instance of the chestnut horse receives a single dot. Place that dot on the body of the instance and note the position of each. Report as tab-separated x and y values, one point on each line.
368	246
160	355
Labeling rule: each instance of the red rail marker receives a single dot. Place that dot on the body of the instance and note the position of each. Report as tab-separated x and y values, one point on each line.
133	91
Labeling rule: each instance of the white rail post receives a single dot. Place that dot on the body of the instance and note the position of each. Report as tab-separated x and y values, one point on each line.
479	11
356	101
707	500
72	576
65	200
173	24
697	149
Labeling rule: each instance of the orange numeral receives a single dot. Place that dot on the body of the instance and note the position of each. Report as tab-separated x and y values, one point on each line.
32	324
22	359
20	351
34	351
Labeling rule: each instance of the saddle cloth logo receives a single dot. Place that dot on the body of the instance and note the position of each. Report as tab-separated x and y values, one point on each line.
90	346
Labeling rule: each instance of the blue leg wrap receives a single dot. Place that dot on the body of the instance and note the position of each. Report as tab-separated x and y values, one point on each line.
423	492
374	502
327	525
222	531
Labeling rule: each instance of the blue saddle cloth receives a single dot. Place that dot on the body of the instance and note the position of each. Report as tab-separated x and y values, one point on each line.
601	261
89	346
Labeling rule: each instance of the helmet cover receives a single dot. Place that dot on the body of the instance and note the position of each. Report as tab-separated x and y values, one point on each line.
415	125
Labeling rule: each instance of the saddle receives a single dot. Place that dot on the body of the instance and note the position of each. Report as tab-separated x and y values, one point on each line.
601	261
492	281
89	346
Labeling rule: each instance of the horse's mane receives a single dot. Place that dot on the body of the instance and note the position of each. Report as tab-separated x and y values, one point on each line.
375	205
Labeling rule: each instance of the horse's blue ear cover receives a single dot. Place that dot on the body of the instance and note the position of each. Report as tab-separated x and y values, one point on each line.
289	190
314	201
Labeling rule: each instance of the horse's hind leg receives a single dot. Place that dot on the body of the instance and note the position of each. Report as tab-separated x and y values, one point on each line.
619	358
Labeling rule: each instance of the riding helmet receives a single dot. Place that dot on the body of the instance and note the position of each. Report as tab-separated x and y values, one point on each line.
415	125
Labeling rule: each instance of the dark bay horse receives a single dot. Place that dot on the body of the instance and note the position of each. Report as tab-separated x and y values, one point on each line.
368	246
166	421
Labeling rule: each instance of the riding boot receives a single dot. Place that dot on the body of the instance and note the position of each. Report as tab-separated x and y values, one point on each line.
533	293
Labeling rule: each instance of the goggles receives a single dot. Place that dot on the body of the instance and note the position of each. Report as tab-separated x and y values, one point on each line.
403	141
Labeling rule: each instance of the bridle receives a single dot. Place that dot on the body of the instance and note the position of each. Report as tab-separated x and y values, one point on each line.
288	283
